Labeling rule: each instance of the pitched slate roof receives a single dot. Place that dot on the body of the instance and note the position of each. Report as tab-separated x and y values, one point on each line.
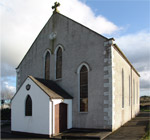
53	90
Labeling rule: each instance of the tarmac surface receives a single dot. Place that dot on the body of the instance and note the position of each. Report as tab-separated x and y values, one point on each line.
132	130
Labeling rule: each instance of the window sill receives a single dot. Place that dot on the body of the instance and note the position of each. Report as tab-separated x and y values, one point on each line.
59	79
83	112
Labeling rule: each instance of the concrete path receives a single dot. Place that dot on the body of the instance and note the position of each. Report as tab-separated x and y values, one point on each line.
86	134
132	130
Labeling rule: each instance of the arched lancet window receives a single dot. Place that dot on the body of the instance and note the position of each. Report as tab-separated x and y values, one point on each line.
133	92
129	91
137	93
122	88
28	106
59	63
47	66
83	89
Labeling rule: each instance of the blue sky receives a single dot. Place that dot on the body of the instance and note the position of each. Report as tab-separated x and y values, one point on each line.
133	14
128	21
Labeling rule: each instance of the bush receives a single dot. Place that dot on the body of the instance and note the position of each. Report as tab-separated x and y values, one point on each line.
6	114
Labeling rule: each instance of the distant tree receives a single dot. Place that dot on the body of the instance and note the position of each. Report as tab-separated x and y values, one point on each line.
2	103
6	94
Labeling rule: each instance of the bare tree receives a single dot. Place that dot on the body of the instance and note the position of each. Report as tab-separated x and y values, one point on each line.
6	94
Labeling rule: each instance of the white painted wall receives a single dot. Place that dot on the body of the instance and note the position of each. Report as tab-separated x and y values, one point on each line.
69	111
39	121
122	115
50	118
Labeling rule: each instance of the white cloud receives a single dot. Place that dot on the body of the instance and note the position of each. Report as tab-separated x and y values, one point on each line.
22	20
83	14
145	80
9	87
137	48
7	90
7	70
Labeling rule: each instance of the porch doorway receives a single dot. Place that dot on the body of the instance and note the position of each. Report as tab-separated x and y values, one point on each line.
60	118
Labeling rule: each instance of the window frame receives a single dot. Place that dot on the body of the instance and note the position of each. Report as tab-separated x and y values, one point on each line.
123	103
78	72
129	91
56	49
134	92
137	94
47	51
59	64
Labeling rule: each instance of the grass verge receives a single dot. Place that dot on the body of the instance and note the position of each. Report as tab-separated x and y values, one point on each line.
147	134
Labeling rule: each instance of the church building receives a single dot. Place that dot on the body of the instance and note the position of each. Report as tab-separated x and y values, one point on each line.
73	77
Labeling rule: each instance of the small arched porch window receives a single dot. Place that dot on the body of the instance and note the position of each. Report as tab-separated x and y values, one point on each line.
28	106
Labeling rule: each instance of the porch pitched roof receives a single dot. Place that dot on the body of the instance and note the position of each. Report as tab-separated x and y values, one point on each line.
53	90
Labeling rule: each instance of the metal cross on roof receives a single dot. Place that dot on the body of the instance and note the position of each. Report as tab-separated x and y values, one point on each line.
56	4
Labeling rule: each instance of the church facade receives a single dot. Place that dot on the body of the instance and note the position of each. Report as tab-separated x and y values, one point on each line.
73	77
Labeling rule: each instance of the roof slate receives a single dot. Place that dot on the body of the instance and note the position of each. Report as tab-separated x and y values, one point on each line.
53	90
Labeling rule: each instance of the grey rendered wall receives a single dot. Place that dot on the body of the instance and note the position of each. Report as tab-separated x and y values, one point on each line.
80	45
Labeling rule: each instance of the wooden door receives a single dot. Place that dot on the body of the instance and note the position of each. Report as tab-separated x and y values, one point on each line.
57	119
63	117
60	118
